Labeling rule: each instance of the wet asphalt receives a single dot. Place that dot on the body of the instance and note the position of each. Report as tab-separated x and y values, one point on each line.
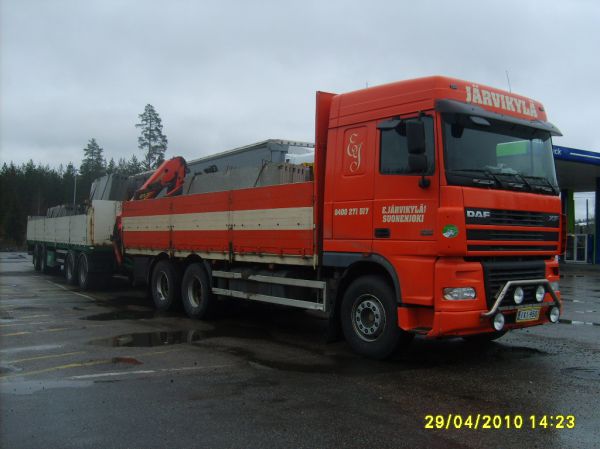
103	370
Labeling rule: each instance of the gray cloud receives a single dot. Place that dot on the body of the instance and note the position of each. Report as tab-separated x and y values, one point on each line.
227	73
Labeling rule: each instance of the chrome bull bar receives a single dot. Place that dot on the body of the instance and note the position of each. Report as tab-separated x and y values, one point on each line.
543	282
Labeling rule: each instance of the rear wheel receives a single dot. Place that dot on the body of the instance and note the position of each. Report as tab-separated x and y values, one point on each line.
44	268
165	285
196	292
85	279
71	267
37	258
370	318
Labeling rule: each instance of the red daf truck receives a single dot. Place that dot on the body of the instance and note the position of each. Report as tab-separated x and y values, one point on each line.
434	209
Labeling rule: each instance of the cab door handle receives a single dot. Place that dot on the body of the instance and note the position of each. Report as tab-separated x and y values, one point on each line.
382	233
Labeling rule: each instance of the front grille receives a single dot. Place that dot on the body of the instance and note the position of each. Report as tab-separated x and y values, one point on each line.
501	217
515	248
497	274
526	236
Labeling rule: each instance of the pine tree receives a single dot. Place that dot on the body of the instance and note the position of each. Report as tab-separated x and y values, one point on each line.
111	167
151	140
134	166
93	166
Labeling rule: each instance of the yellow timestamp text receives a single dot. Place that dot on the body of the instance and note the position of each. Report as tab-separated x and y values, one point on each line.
480	421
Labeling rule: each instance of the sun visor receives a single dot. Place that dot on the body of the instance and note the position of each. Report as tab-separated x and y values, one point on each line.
456	107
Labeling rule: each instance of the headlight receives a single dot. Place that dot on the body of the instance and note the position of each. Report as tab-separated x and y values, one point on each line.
498	322
539	293
459	293
518	295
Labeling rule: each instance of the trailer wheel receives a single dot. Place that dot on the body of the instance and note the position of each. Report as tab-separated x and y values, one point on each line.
165	285
37	259
44	268
370	318
85	279
196	292
71	266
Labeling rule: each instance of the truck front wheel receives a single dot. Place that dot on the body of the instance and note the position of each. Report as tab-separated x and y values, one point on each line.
166	285
370	318
196	292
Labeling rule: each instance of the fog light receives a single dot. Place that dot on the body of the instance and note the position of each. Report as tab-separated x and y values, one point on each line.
555	286
554	314
459	293
518	295
539	293
498	322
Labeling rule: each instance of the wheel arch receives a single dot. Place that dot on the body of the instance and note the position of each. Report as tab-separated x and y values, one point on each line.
355	265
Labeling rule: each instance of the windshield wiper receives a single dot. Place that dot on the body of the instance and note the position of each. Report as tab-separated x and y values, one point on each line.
547	186
490	181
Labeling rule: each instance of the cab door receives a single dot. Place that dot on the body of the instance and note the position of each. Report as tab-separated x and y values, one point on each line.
404	208
352	216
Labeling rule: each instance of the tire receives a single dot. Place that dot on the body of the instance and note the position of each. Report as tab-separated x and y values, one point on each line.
71	267
37	259
85	279
44	268
482	339
165	285
196	292
370	318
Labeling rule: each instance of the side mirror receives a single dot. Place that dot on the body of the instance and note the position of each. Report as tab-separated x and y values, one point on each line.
415	137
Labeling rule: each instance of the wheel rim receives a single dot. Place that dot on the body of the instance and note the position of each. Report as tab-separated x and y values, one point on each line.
69	268
162	286
368	317
194	292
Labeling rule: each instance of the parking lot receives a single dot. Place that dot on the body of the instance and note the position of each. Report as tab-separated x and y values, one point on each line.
102	369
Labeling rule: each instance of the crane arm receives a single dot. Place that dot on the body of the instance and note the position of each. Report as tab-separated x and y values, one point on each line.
170	175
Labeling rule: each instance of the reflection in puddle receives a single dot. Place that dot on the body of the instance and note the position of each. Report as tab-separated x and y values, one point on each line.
582	373
122	315
149	339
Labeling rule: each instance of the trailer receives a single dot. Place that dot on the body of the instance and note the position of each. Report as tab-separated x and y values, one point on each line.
78	244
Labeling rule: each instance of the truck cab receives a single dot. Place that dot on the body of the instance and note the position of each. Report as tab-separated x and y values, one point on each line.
447	191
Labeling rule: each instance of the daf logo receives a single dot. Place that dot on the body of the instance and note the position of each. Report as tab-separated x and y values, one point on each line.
478	214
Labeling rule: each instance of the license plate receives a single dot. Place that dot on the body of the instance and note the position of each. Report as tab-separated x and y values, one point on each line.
528	314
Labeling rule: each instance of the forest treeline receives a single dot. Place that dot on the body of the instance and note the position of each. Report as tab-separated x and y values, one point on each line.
31	188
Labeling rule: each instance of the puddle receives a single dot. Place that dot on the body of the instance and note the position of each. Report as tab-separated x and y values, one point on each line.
31	308
4	369
126	360
22	387
151	339
123	315
582	373
29	348
577	323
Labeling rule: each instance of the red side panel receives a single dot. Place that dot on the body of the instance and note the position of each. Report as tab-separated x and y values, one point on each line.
276	220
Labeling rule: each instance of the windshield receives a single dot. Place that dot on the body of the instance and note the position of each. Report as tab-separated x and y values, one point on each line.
495	154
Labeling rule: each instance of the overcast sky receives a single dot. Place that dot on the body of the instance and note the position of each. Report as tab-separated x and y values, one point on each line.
223	73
